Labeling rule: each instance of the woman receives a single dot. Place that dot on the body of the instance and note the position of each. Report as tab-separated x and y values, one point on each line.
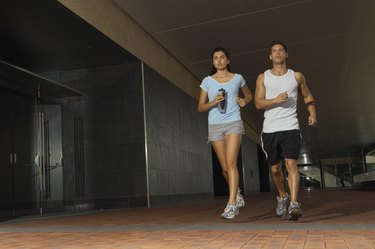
225	126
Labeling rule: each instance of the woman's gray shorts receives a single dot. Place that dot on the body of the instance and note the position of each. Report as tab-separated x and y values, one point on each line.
218	131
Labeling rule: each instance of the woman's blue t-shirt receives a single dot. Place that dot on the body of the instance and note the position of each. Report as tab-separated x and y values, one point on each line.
232	87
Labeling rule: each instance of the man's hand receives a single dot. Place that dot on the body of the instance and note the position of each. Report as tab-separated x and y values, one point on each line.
312	120
281	98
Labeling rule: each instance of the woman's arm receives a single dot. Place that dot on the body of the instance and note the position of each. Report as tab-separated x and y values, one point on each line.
247	96
203	106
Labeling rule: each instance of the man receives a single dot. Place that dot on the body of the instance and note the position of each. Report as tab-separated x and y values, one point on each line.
276	92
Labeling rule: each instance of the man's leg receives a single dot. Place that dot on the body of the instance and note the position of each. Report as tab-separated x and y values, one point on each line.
293	178
270	145
282	198
294	209
278	178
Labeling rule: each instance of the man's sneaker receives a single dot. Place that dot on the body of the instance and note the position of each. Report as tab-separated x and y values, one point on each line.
230	212
281	205
294	210
240	202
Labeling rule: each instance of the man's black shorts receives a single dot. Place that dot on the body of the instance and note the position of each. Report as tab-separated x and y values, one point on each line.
281	144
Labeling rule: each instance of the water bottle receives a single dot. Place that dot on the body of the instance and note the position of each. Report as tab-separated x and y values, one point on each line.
222	104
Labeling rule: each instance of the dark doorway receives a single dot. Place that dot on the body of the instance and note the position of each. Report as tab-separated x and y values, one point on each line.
311	176
264	174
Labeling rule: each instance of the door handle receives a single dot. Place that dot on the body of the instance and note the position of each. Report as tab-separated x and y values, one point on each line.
36	160
13	158
61	162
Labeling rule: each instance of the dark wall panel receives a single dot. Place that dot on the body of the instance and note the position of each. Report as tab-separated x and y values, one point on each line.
113	136
179	158
250	165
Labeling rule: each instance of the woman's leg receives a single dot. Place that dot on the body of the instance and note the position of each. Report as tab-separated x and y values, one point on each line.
219	147
232	146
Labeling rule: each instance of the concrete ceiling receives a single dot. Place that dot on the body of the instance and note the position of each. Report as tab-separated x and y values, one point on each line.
330	41
42	35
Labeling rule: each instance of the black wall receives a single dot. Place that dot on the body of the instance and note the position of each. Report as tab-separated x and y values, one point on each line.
103	138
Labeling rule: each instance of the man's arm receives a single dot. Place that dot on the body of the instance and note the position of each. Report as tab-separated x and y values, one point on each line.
260	95
307	97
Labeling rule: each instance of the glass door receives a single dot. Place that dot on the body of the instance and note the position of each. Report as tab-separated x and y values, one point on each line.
48	157
6	155
24	188
17	178
31	179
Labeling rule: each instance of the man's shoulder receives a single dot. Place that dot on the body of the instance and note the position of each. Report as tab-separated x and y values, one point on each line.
261	75
298	74
299	77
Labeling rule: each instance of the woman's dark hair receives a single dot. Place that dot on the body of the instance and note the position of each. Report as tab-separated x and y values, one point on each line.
218	49
277	43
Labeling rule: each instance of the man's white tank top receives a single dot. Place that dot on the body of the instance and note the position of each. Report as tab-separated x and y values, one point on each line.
281	117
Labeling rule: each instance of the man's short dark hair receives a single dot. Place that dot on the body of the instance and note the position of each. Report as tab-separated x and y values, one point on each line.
277	42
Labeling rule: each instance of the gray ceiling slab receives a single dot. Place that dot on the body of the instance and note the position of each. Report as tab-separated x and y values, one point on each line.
330	41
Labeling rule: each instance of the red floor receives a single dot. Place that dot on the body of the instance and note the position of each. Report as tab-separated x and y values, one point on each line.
332	219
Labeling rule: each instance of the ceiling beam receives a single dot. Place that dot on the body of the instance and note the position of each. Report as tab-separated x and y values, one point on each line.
115	23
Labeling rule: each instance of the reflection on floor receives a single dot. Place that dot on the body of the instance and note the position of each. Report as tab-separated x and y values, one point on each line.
332	219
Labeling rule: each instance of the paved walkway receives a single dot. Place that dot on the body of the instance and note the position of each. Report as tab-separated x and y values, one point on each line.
335	219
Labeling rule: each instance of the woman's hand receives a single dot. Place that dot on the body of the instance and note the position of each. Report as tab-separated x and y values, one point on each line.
219	97
241	102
